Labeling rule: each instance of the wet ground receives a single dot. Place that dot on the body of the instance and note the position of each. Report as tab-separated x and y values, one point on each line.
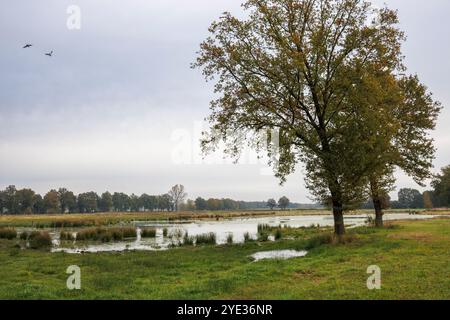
237	227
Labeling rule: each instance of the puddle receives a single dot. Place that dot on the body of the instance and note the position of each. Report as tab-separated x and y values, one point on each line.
110	247
278	255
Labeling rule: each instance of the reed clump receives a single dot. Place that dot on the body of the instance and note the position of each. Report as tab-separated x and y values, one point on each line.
66	236
207	238
148	232
230	238
8	233
188	240
262	227
106	235
39	240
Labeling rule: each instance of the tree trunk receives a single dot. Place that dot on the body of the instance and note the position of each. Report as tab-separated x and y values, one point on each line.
378	213
338	213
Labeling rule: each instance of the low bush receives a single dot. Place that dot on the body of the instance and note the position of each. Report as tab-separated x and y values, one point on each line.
40	240
165	232
247	237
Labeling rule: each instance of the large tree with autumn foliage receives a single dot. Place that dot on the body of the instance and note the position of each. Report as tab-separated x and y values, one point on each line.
325	74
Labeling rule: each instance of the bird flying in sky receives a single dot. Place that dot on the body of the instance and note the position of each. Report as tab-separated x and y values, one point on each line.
27	46
49	54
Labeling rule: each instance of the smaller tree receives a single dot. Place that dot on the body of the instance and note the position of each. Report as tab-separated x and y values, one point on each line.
410	198
51	202
441	185
200	204
10	199
283	203
121	202
38	204
271	203
165	202
134	203
88	202
177	195
106	202
188	206
25	201
67	200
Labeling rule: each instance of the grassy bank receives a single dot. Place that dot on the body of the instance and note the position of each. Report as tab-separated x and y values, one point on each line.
111	218
413	257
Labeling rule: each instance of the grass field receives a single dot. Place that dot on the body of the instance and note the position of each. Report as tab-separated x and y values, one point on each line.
414	258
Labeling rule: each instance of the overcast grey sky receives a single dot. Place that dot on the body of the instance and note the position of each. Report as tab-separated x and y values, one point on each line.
117	101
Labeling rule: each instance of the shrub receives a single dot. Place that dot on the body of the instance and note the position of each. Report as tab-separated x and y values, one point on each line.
165	232
207	238
148	233
40	239
8	233
247	237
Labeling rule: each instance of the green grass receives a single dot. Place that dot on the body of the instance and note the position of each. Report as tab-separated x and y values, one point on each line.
413	257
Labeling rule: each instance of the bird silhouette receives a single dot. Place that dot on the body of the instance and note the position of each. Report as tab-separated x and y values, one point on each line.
49	54
27	46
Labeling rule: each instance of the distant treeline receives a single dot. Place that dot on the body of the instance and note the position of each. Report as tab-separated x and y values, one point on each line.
414	199
26	201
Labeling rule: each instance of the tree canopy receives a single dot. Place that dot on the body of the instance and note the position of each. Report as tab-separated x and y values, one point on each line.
329	76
